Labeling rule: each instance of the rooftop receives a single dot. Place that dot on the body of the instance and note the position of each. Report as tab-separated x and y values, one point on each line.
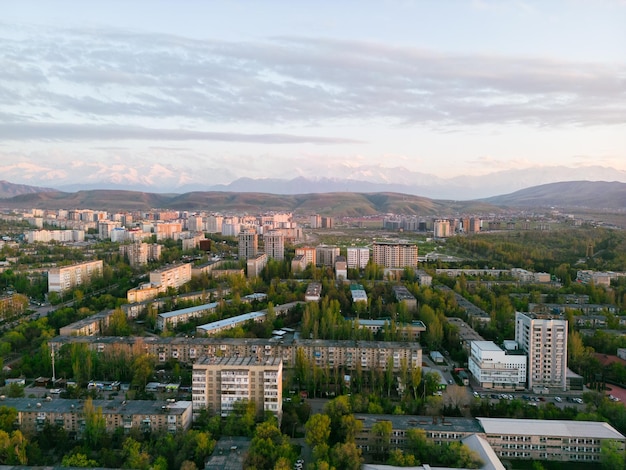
556	428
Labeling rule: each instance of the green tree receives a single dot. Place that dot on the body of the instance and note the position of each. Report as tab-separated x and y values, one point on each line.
7	418
78	460
317	430
612	455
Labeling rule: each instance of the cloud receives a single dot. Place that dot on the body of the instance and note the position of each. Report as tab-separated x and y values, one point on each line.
105	76
63	132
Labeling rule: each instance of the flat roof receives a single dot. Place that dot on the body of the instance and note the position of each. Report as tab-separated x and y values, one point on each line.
231	321
556	428
486	345
185	311
428	423
239	361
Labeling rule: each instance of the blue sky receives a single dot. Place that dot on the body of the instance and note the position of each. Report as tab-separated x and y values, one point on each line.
195	92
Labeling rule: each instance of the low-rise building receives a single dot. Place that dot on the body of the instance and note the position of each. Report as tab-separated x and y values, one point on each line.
313	292
493	367
146	416
171	319
228	323
92	325
553	440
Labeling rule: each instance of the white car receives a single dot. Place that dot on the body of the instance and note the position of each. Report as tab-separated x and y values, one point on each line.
558	399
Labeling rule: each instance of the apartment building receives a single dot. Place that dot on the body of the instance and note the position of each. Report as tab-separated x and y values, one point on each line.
553	440
12	305
146	416
341	268
326	255
274	245
405	297
167	230
255	264
395	254
171	319
68	277
105	227
441	228
408	331
229	323
92	325
171	276
494	368
220	382
139	254
335	353
309	254
63	236
357	257
248	243
544	340
298	264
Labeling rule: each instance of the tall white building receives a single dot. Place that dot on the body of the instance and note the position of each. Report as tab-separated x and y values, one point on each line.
358	257
544	340
494	368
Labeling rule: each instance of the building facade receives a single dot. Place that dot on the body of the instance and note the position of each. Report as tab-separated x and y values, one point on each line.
395	255
492	367
357	257
220	382
248	243
67	277
544	340
274	245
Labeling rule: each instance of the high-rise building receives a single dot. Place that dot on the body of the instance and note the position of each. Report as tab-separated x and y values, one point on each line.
395	255
544	340
358	258
220	382
274	245
171	276
325	255
441	228
248	243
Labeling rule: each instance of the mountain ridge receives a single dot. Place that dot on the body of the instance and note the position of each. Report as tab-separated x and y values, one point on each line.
597	195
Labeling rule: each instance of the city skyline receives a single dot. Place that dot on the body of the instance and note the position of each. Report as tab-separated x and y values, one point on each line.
155	93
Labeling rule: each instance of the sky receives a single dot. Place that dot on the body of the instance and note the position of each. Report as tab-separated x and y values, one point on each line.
171	94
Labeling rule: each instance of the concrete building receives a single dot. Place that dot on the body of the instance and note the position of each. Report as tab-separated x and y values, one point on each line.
171	276
90	326
229	323
298	264
358	293
274	245
325	255
146	416
408	331
248	243
395	254
441	228
68	277
357	257
341	268
171	319
214	223
309	254
553	440
220	382
544	340
63	236
255	264
313	292
139	254
405	297
167	230
492	367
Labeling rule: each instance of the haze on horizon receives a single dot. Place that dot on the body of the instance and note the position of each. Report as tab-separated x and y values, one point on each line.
168	94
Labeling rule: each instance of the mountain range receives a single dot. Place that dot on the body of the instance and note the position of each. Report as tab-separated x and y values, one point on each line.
345	177
587	195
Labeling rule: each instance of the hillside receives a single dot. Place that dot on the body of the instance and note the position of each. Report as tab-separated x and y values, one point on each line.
337	204
11	190
598	195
